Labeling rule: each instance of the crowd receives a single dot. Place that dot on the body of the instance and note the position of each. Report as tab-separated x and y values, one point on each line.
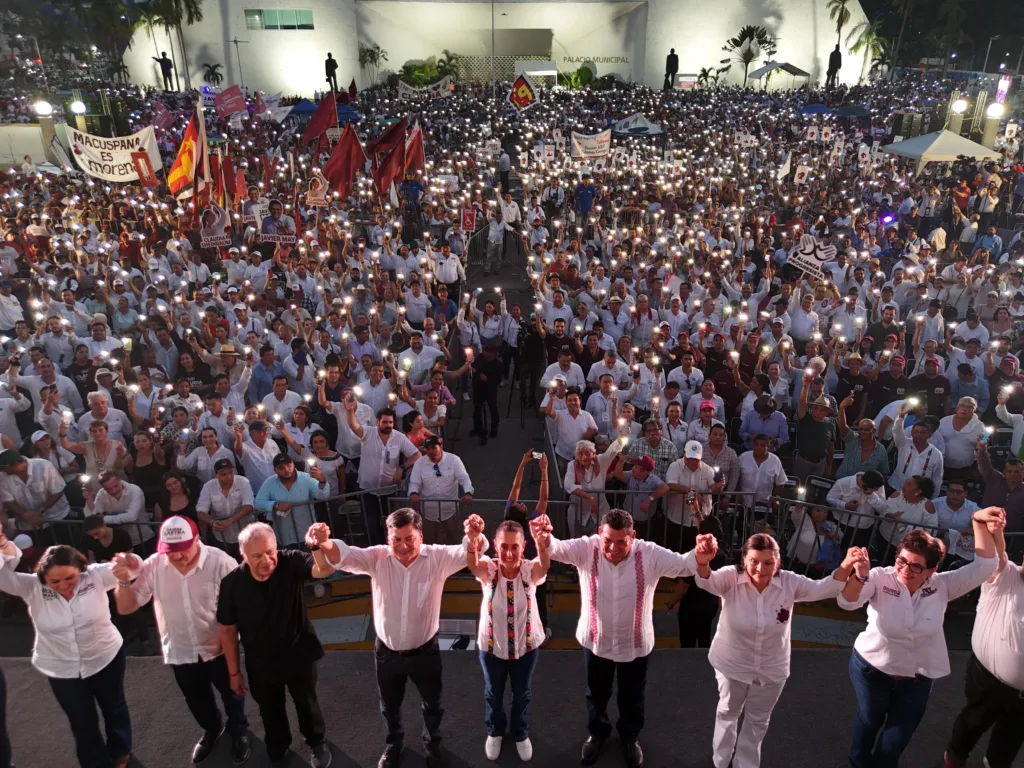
199	406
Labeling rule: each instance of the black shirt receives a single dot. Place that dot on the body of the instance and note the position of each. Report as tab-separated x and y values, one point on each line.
271	615
855	387
886	389
934	391
121	542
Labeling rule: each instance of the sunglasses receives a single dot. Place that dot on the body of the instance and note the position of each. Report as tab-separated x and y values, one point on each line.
437	470
902	562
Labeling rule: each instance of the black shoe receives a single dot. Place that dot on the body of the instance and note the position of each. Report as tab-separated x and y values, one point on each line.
205	745
591	750
473	433
633	754
434	757
483	439
322	755
240	750
392	757
494	434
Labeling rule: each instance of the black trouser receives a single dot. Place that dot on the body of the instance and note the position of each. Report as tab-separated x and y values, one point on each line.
601	674
333	80
993	704
423	667
542	610
5	741
485	394
269	693
376	510
697	611
168	81
197	682
503	177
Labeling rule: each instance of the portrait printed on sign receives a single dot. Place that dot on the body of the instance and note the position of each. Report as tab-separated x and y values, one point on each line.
277	226
316	196
254	200
215	222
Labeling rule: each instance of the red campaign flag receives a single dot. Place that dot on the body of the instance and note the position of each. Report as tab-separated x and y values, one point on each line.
390	137
353	92
259	107
326	116
229	101
228	170
390	167
348	157
414	158
163	119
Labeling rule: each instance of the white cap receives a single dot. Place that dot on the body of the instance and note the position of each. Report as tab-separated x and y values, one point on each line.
241	307
693	450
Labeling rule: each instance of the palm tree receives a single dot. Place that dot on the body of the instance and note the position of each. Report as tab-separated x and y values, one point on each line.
840	14
212	74
148	17
167	17
748	46
118	72
189	11
906	5
864	37
448	64
370	58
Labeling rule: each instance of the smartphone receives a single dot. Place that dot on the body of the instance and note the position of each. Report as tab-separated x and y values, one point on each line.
538	455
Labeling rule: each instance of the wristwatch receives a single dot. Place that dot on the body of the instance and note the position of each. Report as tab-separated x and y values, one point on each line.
861	579
314	548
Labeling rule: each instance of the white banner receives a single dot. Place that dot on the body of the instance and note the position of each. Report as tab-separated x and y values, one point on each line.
438	90
596	145
209	94
111	159
811	256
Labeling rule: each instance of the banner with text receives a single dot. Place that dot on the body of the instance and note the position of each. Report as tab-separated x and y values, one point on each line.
439	90
111	159
595	145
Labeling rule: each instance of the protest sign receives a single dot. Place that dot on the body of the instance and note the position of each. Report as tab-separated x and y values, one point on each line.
785	167
276	226
439	90
549	153
826	133
1011	130
594	145
811	256
209	96
467	217
163	119
803	172
111	159
318	192
812	133
215	221
523	93
144	168
229	101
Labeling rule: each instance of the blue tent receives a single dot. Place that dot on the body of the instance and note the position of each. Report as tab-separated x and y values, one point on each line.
304	107
348	114
814	109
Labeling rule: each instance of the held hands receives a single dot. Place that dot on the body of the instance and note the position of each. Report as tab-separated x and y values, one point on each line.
706	548
474	529
994	518
123	563
857	559
540	529
317	535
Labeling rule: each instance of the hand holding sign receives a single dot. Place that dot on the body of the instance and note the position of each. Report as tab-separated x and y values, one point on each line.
811	256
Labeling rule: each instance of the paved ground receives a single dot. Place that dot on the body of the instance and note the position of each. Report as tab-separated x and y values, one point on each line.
810	727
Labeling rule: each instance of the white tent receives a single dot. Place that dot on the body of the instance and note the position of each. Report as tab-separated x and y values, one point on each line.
939	147
637	125
771	66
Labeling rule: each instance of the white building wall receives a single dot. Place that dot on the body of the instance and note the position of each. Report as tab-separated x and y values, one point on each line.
628	38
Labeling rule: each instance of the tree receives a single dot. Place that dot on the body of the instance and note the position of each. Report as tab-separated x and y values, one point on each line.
747	47
864	37
370	58
189	12
118	72
212	74
906	5
709	76
448	64
840	14
148	18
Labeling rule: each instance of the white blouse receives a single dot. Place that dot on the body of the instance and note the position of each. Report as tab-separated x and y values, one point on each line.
502	618
904	635
754	636
998	638
74	638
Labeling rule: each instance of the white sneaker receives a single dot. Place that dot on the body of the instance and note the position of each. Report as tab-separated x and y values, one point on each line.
492	748
525	749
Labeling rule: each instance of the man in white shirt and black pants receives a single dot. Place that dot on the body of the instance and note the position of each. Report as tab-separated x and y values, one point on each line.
183	579
619	574
994	686
404	618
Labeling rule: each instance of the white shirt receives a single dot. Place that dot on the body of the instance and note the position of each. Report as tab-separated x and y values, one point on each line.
220	506
526	625
258	463
119	426
185	604
284	408
755	629
998	637
846	490
74	638
201	462
43	481
760	479
904	635
423	480
573	377
571	430
379	460
701	481
910	461
621	629
348	444
129	509
406	601
960	444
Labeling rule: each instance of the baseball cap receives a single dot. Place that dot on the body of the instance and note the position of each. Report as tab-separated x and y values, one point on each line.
9	457
1009	359
644	462
707	404
933	359
281	459
693	450
104	372
177	534
431	441
898	358
39	435
239	307
223	464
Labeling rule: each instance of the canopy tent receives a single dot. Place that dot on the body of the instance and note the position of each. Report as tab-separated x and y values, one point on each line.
852	110
772	66
637	125
940	146
304	107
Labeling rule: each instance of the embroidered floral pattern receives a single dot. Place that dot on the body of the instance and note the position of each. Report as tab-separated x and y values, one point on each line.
593	597
783	615
638	632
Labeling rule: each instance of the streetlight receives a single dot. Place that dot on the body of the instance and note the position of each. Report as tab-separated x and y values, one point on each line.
43	108
984	67
993	113
995	110
78	107
956	118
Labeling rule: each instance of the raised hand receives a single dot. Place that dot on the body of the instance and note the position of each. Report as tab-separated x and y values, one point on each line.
994	518
474	526
706	548
317	534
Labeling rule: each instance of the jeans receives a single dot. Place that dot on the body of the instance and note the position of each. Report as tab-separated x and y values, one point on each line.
991	703
197	682
888	705
493	257
5	741
79	696
269	693
601	674
423	667
520	673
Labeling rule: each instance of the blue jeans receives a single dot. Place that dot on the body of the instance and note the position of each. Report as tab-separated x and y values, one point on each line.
79	696
520	673
888	705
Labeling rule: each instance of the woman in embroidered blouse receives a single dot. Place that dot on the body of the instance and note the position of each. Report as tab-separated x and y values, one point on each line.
751	649
585	479
77	647
510	630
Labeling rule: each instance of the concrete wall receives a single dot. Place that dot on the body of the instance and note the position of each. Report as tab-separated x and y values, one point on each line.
18	140
626	37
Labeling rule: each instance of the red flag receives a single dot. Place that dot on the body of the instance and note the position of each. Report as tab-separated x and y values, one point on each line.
229	101
259	107
353	92
390	167
228	171
326	116
345	161
414	158
390	137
